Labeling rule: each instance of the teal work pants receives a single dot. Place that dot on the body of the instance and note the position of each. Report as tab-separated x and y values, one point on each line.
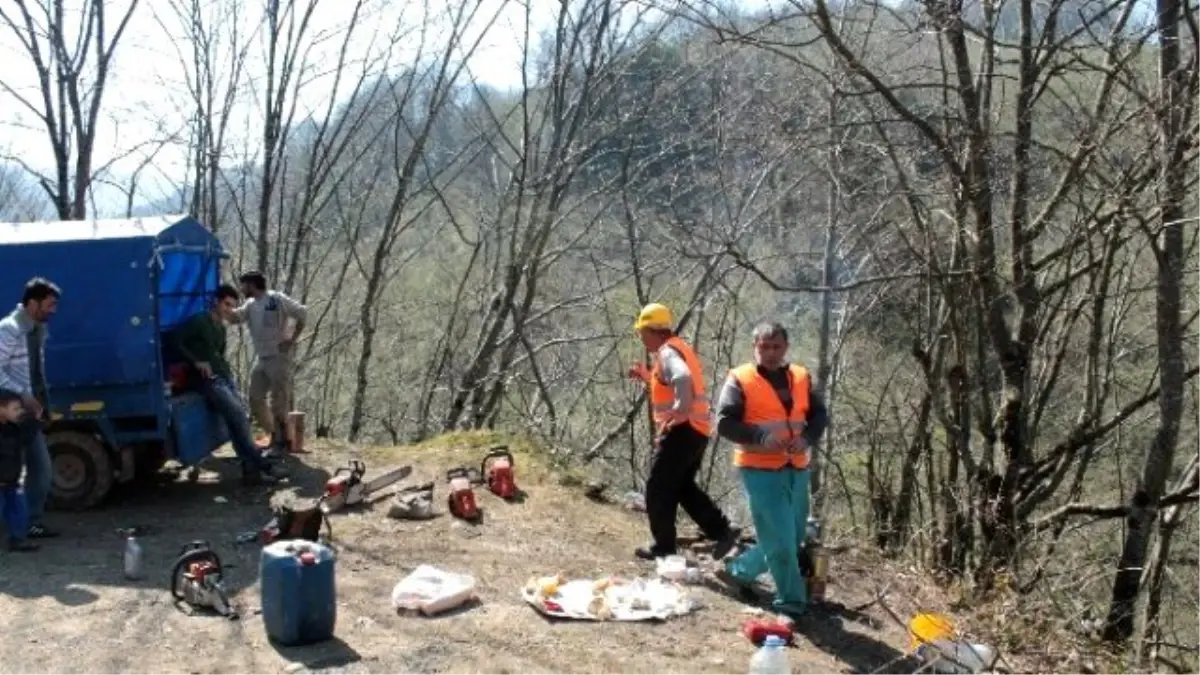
779	508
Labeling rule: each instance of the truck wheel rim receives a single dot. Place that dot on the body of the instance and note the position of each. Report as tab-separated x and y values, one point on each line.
69	472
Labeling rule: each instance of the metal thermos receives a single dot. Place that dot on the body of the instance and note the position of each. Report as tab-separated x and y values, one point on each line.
820	568
819	561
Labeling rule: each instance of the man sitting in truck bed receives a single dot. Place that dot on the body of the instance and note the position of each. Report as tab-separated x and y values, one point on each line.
201	341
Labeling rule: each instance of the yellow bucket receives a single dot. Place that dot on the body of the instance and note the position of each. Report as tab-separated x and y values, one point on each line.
928	627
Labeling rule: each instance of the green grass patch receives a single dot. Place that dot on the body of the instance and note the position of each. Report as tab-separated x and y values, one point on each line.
532	459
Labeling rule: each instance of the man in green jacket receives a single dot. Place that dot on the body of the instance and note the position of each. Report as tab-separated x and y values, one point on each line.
201	341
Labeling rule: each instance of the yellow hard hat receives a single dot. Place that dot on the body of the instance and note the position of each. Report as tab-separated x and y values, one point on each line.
654	315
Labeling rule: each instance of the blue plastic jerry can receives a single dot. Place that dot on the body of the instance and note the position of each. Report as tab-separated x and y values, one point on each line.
299	593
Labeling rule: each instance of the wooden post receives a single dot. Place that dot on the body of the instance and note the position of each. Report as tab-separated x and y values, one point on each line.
295	431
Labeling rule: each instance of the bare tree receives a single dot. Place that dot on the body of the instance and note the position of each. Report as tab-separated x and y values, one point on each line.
421	100
19	200
1002	303
541	160
213	54
71	59
1176	113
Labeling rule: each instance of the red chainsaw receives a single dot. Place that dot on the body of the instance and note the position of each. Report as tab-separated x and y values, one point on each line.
348	485
497	471
461	498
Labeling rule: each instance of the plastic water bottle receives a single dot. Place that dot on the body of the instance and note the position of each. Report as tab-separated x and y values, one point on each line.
954	657
771	658
133	558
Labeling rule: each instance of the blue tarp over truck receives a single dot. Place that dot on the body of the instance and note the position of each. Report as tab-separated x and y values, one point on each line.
125	283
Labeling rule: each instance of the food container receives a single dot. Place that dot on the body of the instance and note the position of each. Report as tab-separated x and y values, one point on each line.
672	567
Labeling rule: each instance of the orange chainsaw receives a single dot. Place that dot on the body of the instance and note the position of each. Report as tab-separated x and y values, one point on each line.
497	471
461	498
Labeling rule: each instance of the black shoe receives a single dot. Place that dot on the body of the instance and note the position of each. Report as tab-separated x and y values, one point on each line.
40	531
725	545
651	553
22	546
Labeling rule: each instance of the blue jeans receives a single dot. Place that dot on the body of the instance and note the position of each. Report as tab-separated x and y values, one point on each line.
224	397
13	508
779	508
39	475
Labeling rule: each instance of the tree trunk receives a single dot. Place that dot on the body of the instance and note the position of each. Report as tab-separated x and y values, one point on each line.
1146	626
1173	112
828	272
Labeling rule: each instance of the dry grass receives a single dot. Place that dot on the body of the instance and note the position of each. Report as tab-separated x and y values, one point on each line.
67	608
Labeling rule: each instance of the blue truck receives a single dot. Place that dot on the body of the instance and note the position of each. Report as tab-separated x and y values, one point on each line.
118	406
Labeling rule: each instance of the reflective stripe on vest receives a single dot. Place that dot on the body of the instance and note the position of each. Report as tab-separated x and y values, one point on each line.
662	396
765	411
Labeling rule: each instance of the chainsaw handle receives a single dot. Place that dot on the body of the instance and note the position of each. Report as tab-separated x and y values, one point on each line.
498	452
193	552
356	467
197	545
424	487
471	475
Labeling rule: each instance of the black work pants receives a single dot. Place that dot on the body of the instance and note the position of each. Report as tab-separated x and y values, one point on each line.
672	483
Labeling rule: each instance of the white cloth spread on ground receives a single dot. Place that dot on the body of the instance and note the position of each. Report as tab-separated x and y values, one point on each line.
607	599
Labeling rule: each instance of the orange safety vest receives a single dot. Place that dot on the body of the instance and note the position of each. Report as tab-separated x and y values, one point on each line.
662	396
765	411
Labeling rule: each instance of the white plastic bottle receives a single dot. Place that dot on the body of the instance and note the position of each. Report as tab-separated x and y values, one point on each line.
133	558
950	657
771	658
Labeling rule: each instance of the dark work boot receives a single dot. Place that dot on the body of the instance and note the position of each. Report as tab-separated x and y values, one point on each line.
278	448
726	544
39	531
651	552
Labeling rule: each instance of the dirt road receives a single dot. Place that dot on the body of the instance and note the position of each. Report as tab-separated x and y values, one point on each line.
67	608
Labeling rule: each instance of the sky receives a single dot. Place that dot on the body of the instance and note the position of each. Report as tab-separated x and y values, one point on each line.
145	103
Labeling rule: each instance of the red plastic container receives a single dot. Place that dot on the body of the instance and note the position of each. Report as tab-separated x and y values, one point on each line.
757	630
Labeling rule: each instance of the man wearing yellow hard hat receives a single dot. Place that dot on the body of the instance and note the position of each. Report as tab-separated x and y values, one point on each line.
684	423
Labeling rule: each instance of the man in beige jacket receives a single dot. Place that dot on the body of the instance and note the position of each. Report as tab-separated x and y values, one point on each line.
267	314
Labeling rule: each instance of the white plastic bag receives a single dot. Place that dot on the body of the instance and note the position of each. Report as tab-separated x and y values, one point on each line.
430	590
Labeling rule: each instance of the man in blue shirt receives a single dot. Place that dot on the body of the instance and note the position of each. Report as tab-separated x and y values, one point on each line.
23	370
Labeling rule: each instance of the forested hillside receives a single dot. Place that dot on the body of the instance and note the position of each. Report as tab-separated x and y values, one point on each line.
978	220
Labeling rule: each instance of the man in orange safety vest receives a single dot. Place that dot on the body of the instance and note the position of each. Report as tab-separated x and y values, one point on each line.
684	423
768	410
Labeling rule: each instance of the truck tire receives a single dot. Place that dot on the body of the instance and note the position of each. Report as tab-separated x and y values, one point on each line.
83	470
